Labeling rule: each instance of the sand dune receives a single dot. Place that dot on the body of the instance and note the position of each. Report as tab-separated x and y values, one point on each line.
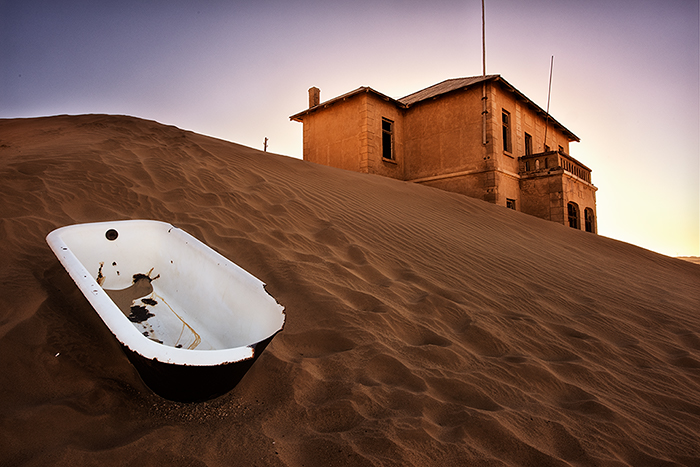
423	327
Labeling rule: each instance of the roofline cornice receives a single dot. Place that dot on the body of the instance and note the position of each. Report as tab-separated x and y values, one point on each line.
348	95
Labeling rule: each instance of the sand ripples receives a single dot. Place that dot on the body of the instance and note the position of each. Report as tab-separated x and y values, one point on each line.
423	328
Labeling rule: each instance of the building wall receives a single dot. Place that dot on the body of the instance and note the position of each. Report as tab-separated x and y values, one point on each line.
333	138
348	135
443	139
528	120
541	196
377	109
443	136
524	119
472	185
583	194
531	196
508	187
546	195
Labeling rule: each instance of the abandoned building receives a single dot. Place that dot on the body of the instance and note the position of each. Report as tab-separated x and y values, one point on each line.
476	136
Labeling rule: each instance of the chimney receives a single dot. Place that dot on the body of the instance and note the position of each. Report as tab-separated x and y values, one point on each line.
314	97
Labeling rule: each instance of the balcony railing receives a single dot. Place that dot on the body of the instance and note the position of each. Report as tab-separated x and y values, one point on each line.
546	162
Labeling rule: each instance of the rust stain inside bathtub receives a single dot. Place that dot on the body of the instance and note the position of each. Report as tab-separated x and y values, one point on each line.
125	298
139	314
100	278
139	303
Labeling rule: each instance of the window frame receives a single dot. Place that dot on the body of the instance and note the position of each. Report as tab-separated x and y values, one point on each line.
589	220
574	218
388	133
528	144
507	131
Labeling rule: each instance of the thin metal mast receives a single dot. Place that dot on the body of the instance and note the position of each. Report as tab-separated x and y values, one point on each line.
549	94
483	37
484	110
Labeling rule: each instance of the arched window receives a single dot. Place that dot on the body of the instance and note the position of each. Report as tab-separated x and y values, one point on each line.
574	221
589	219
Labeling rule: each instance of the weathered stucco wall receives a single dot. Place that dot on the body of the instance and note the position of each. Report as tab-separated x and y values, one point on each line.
541	196
472	185
547	195
529	121
581	193
508	185
443	136
377	109
348	135
332	136
524	119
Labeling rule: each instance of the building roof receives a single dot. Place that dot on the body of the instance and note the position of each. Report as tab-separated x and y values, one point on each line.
435	91
456	84
364	89
444	87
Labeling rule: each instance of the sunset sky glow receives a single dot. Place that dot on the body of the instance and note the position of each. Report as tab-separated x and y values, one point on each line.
626	77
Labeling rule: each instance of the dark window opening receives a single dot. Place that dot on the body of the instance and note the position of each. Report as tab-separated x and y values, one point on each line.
589	219
528	144
527	166
574	221
387	139
506	132
510	204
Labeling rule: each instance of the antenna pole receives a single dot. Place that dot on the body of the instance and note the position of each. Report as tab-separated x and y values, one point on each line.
549	94
484	107
483	37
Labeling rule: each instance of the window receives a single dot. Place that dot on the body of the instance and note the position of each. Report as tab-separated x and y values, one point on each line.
387	139
510	204
573	216
506	132
527	166
528	144
589	219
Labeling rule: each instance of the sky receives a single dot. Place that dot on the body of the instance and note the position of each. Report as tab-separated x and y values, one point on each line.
625	78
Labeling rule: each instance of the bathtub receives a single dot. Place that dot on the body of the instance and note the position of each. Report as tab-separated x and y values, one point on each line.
191	321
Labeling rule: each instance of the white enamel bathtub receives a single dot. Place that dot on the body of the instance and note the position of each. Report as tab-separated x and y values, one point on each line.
167	297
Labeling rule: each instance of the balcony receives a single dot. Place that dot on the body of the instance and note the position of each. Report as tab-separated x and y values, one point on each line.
549	162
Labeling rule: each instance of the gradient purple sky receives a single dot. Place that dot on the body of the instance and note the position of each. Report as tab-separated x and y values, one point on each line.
626	77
